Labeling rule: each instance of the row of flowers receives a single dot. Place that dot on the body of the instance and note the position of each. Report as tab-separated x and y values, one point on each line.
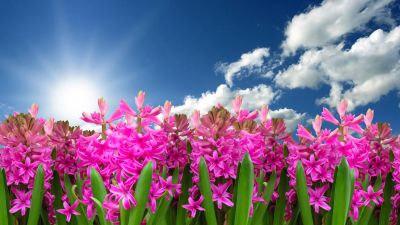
174	147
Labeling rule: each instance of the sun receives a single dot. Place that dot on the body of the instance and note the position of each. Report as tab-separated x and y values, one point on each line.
73	95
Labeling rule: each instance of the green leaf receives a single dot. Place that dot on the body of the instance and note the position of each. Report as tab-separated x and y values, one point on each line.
366	213
387	203
245	191
232	210
261	208
124	214
141	194
82	218
37	197
57	191
205	189
328	219
183	198
342	194
302	195
4	207
99	192
281	202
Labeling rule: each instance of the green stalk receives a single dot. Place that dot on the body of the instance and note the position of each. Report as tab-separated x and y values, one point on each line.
37	197
281	202
245	191
366	213
302	195
56	190
387	203
124	214
183	198
205	189
141	194
232	210
261	208
4	207
99	192
342	194
81	219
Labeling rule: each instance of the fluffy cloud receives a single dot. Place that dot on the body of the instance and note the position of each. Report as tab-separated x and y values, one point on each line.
331	20
369	69
248	62
253	98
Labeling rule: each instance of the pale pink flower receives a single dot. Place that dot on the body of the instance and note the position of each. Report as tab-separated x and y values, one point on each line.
68	210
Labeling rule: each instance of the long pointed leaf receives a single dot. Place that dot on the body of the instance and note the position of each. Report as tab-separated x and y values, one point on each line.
232	210
99	192
342	194
261	208
205	189
56	190
183	198
3	199
245	191
82	218
37	197
302	195
141	194
387	203
281	202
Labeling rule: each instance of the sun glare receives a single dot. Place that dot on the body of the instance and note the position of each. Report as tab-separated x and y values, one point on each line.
72	96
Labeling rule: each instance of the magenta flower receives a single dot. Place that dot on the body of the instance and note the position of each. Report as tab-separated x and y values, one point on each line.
169	186
317	198
314	167
68	210
220	194
123	192
21	202
371	196
194	205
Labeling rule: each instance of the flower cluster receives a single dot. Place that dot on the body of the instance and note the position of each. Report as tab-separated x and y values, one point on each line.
130	138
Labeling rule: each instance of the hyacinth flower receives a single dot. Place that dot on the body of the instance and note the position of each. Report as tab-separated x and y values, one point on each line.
24	149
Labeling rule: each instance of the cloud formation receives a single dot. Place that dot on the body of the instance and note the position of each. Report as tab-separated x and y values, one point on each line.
331	20
369	69
248	63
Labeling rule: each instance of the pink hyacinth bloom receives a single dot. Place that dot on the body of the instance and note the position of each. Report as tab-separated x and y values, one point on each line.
103	106
195	118
342	108
220	194
26	170
317	123
21	202
34	110
371	195
317	198
368	118
327	116
264	113
123	192
169	186
313	167
304	133
237	103
48	126
167	109
193	206
68	210
139	99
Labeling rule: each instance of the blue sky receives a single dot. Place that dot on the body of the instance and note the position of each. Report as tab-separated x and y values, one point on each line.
296	56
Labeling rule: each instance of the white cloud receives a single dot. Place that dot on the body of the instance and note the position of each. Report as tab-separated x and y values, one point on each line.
369	69
292	118
326	23
253	98
249	62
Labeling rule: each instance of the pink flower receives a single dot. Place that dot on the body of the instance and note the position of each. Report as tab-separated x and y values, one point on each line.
123	192
342	108
27	169
220	194
313	167
103	106
34	110
48	126
368	118
139	99
264	113
193	206
370	195
167	109
68	210
236	103
317	198
21	202
304	133
169	186
327	116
